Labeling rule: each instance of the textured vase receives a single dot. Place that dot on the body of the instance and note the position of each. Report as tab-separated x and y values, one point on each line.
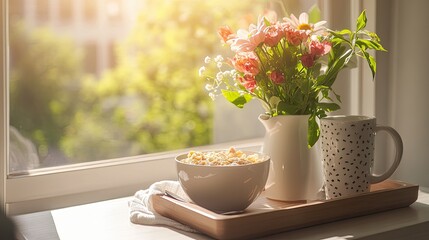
296	171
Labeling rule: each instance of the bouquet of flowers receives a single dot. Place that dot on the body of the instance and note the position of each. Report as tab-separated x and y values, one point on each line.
289	65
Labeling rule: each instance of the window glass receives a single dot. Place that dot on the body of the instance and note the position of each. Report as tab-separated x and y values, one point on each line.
94	80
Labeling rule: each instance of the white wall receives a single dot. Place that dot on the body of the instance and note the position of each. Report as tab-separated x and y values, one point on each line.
403	84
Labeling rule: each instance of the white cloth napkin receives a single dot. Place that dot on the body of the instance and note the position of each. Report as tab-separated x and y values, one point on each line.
143	212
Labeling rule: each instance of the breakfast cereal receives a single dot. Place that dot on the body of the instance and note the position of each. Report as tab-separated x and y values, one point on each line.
231	157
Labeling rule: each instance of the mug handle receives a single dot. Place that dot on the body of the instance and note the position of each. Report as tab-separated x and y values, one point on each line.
398	156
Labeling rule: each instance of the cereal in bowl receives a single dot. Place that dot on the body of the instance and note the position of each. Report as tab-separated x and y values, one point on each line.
231	157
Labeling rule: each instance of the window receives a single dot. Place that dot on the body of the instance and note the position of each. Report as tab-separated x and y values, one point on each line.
135	151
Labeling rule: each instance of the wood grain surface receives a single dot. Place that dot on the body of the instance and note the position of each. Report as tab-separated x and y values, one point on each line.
265	216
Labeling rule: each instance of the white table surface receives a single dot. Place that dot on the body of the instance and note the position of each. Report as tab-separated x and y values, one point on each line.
110	220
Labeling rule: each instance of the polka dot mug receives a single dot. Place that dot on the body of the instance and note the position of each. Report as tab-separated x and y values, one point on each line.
348	154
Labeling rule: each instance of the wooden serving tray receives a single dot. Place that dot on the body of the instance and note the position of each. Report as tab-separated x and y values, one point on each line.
265	216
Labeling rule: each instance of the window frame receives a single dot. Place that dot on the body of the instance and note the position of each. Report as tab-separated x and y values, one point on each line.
3	104
56	187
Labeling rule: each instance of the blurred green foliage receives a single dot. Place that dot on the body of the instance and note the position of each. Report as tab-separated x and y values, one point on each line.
152	100
43	84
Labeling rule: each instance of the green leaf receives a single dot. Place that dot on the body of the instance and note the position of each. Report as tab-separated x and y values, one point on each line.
338	97
320	87
313	131
371	44
314	14
274	101
361	21
371	63
338	41
320	114
345	32
336	51
338	35
236	98
267	23
373	36
338	64
328	107
325	93
287	109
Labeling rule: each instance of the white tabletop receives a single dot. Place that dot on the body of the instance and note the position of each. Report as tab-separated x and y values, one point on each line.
110	220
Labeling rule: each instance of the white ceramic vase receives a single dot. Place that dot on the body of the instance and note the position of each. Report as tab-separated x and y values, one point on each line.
296	171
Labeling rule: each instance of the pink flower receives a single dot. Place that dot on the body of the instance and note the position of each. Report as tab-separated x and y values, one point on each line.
246	62
277	77
246	45
307	60
273	34
294	36
248	81
246	41
318	49
225	33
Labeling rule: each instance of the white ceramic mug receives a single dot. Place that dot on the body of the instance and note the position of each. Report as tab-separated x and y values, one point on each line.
348	154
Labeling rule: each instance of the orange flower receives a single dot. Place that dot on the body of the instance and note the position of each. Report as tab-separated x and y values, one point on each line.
248	81
225	33
246	62
307	60
277	77
295	37
319	48
273	34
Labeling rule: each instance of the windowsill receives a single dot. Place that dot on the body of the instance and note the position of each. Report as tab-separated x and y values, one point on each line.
110	220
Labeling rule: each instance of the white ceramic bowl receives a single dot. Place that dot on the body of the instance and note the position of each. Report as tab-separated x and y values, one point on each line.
223	188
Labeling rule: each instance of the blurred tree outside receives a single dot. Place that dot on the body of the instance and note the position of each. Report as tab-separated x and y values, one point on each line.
152	100
43	85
